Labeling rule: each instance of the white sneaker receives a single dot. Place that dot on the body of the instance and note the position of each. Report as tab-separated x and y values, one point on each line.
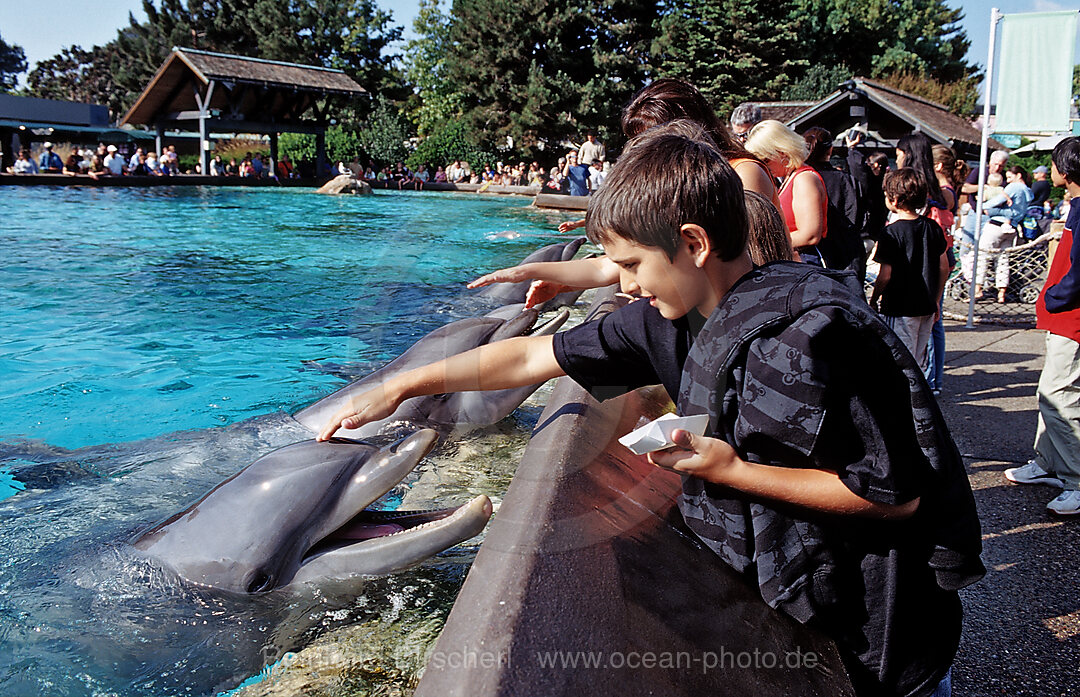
1031	473
1067	503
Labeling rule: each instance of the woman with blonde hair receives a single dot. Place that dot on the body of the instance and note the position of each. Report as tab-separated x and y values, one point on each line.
802	194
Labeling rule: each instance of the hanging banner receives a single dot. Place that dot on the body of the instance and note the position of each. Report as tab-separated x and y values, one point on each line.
1036	63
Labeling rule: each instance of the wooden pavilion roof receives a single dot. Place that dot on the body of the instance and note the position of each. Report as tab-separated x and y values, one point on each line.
933	119
280	92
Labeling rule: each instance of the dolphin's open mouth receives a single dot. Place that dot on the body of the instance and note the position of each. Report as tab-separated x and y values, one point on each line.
419	534
368	525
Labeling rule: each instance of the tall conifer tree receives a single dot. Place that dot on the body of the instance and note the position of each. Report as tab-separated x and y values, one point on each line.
732	50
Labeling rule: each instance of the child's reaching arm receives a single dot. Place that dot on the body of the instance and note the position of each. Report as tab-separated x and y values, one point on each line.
578	273
504	364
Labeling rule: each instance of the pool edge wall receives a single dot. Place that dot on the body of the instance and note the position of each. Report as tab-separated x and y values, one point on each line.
588	559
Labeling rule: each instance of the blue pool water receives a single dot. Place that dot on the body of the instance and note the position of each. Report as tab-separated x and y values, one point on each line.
129	313
150	341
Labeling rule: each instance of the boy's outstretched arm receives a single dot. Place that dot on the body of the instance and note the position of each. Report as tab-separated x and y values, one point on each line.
819	490
504	364
577	273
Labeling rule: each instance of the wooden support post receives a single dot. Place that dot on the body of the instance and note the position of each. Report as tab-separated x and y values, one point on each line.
204	140
159	139
204	135
273	154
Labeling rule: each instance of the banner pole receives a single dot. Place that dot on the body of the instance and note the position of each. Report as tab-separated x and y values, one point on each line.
995	16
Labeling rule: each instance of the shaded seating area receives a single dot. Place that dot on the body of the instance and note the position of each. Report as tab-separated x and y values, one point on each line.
202	92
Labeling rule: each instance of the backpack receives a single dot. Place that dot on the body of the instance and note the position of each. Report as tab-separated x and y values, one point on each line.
846	218
1029	226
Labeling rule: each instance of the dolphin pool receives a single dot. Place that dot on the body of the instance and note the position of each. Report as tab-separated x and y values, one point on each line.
151	343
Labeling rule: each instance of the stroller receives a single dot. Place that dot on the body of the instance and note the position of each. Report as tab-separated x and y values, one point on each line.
1020	268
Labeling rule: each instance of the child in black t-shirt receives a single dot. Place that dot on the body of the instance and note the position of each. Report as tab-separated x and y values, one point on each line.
828	475
914	264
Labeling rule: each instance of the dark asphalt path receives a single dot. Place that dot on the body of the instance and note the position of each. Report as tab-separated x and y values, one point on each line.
1022	622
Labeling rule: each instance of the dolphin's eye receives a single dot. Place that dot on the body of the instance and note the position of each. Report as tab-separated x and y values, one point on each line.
260	583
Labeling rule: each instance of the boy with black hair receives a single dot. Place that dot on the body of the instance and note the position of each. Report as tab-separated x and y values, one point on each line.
801	441
914	264
1057	437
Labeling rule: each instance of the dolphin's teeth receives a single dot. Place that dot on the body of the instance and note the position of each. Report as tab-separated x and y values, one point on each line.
459	513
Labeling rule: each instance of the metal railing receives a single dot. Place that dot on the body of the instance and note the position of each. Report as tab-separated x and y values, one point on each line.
1020	269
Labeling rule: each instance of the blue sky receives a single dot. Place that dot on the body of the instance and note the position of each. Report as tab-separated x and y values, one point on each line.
44	27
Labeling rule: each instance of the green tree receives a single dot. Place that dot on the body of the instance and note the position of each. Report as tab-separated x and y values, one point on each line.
436	99
880	37
603	49
817	82
343	143
297	146
385	133
12	64
1076	80
732	50
78	75
541	72
451	141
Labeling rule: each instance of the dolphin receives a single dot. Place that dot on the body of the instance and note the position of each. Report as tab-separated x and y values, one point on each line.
296	515
509	293
445	411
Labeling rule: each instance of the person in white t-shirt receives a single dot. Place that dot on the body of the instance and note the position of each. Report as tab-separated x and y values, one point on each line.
114	161
596	174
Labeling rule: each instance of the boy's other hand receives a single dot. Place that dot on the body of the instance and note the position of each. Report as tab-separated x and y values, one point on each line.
710	459
364	408
571	225
542	291
514	274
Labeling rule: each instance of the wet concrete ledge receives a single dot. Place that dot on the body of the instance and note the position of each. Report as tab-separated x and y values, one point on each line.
588	559
464	188
561	202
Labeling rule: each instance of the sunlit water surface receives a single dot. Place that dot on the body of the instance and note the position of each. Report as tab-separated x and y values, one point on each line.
152	343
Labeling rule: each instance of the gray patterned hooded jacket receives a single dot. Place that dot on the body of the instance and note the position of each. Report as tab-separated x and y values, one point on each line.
794	369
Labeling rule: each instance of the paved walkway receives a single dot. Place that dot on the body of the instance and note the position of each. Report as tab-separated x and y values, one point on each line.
1022	623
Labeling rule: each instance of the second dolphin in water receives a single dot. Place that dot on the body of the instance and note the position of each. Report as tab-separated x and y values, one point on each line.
445	411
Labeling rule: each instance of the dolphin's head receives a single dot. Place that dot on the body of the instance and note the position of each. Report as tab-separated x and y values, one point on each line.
257	530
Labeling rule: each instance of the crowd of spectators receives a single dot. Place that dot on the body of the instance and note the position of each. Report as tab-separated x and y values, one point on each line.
109	161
